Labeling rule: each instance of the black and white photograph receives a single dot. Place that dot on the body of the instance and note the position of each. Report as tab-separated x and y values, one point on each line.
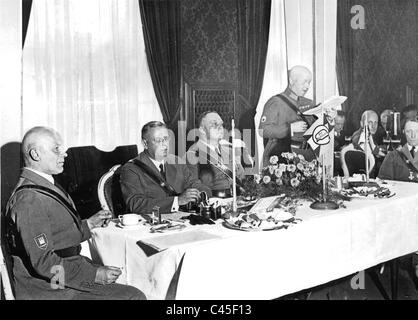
216	156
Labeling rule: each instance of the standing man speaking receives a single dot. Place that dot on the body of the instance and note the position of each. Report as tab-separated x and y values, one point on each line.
282	123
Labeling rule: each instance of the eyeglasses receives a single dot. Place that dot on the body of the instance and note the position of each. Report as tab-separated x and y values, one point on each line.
163	140
216	126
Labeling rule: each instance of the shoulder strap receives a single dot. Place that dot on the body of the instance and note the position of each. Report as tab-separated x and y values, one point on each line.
55	196
408	163
157	179
293	107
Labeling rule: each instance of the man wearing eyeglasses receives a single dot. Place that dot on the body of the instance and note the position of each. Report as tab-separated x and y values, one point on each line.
158	178
211	156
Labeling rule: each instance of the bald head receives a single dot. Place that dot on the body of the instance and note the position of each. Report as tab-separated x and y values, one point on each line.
300	79
372	120
211	127
43	150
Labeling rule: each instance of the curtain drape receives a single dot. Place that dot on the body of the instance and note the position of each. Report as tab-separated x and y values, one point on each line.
26	8
345	52
86	74
275	75
162	35
253	34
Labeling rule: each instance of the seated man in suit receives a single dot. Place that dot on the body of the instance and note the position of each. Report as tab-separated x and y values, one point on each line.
358	138
402	164
157	178
340	133
212	156
44	232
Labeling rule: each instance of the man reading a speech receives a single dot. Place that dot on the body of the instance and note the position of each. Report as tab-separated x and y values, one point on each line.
282	122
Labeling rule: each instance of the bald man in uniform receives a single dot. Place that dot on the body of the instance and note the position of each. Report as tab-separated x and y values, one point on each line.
44	232
281	122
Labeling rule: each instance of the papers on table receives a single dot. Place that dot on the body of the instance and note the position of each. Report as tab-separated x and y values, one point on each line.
157	244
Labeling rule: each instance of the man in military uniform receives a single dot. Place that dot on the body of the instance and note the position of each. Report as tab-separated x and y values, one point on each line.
157	178
211	155
402	165
283	123
44	232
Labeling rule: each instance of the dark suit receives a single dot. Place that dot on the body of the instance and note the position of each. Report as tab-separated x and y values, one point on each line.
44	226
394	166
204	159
141	193
355	138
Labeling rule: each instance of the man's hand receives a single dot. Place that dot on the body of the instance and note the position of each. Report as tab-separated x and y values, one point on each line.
100	219
107	275
299	126
188	196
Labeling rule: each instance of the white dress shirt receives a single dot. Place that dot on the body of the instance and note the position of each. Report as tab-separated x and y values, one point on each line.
42	174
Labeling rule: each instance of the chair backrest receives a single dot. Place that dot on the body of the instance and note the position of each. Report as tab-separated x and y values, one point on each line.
6	265
354	161
83	169
109	192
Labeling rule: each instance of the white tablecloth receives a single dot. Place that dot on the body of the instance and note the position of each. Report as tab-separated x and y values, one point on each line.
229	264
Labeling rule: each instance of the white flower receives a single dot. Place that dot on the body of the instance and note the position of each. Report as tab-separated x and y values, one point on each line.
294	182
300	166
272	169
278	173
279	182
257	178
291	168
301	157
282	167
274	159
266	179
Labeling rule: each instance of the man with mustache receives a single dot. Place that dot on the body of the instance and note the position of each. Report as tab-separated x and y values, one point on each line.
282	122
44	232
157	178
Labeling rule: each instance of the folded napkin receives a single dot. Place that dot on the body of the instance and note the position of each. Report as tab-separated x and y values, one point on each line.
158	244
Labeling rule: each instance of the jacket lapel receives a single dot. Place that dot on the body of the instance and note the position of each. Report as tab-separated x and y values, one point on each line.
143	157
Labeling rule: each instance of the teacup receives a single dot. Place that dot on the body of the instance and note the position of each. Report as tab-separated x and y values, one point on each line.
129	219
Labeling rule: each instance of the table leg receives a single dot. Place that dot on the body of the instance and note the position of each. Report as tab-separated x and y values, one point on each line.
394	275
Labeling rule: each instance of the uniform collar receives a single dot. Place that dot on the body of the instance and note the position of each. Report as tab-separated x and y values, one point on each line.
288	92
42	174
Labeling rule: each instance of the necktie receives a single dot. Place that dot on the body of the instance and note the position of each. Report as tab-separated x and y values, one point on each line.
413	152
162	171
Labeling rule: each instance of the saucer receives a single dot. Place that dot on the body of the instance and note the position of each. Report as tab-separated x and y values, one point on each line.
131	227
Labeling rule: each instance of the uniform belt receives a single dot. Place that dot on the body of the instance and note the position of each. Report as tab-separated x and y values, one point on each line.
226	193
68	252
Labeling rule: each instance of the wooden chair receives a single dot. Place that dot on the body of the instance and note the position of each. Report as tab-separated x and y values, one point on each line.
109	192
354	161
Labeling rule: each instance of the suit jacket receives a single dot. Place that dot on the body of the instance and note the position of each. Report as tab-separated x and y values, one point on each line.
355	138
141	193
202	159
275	123
45	225
395	168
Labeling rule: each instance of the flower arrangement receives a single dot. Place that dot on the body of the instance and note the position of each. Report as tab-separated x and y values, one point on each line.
294	176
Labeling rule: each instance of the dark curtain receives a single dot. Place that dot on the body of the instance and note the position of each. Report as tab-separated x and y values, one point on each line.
161	21
26	8
345	57
253	34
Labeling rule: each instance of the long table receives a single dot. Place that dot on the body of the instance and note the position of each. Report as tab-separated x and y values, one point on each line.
220	263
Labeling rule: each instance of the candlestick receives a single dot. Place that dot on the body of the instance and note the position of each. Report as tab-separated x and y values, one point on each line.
324	191
234	173
366	145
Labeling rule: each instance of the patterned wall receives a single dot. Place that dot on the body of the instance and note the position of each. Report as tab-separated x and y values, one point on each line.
209	41
386	56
